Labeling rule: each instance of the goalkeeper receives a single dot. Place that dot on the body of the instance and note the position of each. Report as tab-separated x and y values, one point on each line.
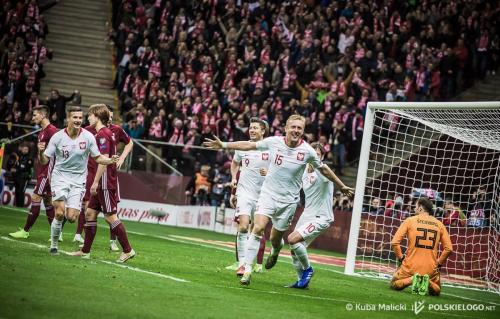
419	267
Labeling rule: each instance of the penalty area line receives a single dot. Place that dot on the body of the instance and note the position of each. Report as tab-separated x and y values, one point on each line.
103	261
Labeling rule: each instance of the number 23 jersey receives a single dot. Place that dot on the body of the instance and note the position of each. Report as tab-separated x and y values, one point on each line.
284	177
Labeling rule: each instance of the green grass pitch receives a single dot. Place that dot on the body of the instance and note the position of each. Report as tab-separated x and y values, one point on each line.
184	277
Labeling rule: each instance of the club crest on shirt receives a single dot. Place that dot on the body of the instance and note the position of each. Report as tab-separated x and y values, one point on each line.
300	156
102	140
83	145
265	156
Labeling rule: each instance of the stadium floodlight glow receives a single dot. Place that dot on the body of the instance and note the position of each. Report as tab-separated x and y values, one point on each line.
448	151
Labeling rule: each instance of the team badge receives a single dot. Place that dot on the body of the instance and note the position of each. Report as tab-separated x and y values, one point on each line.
265	156
102	140
83	145
300	156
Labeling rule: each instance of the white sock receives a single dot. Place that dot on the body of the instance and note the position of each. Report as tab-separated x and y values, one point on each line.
276	251
300	252
297	265
251	251
241	241
55	231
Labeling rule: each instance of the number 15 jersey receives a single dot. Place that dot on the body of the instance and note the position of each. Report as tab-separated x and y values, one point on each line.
284	177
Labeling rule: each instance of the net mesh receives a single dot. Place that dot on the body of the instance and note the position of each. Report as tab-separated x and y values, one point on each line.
452	157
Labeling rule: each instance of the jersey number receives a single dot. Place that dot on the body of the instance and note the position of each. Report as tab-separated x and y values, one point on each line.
427	234
278	160
65	154
310	228
247	161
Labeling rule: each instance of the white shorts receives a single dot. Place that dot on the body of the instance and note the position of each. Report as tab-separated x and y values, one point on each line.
281	214
70	193
245	206
311	227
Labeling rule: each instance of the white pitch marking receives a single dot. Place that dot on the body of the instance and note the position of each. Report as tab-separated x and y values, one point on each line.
103	261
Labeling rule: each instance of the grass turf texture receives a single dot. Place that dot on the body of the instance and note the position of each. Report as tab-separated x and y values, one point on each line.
34	284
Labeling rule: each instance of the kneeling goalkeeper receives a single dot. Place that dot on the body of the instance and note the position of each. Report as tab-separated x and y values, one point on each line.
420	265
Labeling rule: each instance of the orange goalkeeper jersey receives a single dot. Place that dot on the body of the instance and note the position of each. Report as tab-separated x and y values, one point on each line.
424	234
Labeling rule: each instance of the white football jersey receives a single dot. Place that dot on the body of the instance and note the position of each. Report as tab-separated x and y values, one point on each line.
284	177
72	154
318	191
250	181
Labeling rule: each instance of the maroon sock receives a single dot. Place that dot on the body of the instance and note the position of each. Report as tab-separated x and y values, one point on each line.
81	221
32	216
119	230
90	231
112	236
49	211
262	249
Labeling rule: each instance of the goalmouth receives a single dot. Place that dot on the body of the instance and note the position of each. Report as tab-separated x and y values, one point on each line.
447	151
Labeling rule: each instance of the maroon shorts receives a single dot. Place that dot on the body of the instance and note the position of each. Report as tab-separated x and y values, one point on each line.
88	184
42	187
104	201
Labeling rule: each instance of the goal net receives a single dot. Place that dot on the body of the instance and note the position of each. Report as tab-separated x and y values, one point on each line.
448	152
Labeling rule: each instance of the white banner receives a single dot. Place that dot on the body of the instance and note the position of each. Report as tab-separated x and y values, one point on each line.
201	217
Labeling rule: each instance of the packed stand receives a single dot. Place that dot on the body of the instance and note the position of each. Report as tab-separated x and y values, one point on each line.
475	210
187	70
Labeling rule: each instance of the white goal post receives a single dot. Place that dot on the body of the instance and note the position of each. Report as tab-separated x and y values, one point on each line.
447	151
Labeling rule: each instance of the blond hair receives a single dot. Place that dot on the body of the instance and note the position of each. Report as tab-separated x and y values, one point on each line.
294	117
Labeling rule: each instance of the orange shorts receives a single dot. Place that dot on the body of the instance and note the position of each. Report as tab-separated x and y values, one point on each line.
404	272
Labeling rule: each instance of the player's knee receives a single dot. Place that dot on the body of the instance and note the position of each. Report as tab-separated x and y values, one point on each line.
258	230
36	198
294	238
90	215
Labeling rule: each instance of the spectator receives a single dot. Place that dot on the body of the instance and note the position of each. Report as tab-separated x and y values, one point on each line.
57	105
20	169
374	208
479	210
199	187
451	216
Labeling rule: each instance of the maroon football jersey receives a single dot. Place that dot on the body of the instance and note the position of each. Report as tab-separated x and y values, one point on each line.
91	164
44	136
107	145
120	135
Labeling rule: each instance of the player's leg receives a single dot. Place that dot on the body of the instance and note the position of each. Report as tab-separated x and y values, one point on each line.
401	279
109	200
260	254
253	244
23	233
56	226
281	221
81	223
303	235
112	241
49	208
435	284
241	240
276	245
90	230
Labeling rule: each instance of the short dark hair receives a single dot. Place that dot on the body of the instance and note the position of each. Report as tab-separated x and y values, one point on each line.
42	109
109	107
74	108
318	146
263	124
426	204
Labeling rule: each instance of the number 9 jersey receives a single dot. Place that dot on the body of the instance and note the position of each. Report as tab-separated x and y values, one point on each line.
250	181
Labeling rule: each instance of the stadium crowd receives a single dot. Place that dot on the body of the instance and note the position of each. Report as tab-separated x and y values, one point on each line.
187	70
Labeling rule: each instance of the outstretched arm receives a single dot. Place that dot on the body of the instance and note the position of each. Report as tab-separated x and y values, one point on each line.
328	173
217	144
104	160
